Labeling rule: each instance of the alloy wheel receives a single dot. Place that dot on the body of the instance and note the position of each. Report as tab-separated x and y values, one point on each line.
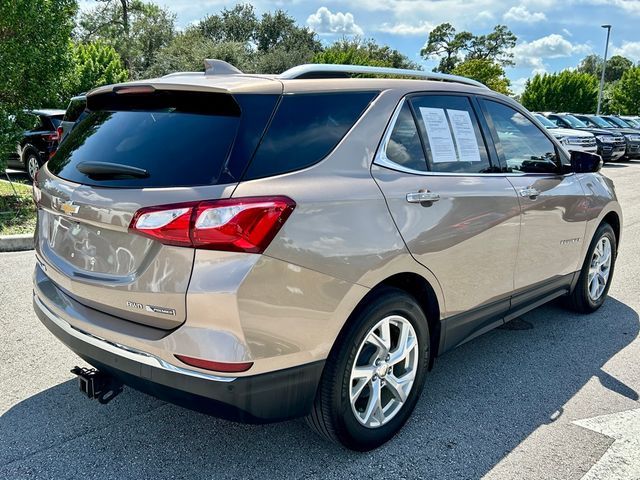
33	166
384	371
599	268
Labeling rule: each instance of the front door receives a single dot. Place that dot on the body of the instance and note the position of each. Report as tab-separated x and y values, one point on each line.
552	204
457	217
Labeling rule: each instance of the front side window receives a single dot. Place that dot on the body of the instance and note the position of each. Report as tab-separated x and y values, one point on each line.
524	147
451	134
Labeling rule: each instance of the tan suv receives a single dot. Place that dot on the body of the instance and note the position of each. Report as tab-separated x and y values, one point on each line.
268	247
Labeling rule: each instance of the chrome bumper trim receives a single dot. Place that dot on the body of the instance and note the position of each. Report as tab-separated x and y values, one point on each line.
122	350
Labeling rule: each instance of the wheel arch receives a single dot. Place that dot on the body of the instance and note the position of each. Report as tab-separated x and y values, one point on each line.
422	291
613	219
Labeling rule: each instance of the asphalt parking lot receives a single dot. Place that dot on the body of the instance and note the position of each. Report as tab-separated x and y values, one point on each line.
529	401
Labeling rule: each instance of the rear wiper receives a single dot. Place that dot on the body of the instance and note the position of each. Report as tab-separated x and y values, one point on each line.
111	170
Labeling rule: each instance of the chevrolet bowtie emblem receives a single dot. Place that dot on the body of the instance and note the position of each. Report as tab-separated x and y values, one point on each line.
69	208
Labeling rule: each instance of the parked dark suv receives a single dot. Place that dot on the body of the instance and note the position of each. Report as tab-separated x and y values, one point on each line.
39	141
266	247
611	145
631	135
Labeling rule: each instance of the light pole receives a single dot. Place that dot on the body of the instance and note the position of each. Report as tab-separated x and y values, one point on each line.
604	66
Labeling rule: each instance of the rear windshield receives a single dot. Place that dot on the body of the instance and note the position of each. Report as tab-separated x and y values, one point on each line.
180	139
75	108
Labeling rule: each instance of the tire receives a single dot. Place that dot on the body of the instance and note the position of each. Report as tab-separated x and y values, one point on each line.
333	415
585	298
31	162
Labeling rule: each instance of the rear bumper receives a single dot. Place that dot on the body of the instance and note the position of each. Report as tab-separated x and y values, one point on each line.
262	398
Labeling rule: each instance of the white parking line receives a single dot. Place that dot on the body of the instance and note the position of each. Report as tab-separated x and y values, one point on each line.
621	460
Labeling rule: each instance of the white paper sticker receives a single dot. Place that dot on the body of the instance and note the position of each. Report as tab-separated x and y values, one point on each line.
440	141
465	136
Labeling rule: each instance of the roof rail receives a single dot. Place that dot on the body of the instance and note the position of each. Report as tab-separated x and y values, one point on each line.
322	70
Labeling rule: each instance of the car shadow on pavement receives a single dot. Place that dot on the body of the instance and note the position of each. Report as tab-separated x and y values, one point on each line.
480	402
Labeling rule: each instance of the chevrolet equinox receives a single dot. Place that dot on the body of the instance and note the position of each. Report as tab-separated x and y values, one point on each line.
266	247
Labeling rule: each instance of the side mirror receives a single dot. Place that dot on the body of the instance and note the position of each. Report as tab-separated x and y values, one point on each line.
585	162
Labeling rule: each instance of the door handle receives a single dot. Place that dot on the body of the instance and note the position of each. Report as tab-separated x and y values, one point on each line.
422	197
530	192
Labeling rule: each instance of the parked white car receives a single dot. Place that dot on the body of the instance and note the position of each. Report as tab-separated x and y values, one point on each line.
569	138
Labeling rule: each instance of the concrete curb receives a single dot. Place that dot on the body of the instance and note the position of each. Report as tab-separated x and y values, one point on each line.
16	243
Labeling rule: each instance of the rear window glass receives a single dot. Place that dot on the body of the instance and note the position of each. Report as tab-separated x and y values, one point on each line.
304	130
56	121
75	108
180	139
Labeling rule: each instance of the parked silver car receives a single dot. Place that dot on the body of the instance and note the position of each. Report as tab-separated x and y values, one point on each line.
267	247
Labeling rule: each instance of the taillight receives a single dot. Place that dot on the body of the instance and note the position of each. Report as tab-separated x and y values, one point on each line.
236	224
59	130
52	137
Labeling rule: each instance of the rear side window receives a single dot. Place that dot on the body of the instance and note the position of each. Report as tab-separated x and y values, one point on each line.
451	134
75	108
305	129
179	138
404	147
56	121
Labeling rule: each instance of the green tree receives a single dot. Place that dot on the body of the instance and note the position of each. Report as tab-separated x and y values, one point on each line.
136	29
626	93
187	52
485	71
567	91
270	44
453	47
363	52
616	66
93	64
496	46
447	44
237	24
34	54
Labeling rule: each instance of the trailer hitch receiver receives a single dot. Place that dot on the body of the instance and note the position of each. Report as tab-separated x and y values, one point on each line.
97	385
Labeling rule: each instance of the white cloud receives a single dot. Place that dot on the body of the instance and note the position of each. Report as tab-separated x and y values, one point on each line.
522	14
532	54
326	22
631	50
518	85
629	6
567	32
422	28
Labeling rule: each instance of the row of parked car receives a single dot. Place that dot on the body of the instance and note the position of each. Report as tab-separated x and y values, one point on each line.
44	129
612	137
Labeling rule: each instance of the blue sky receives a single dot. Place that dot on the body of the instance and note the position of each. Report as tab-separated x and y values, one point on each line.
552	34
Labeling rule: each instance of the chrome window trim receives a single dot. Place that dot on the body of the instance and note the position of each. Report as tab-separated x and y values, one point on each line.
382	160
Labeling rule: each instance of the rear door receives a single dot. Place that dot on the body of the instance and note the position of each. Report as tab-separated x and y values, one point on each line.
553	204
178	148
458	217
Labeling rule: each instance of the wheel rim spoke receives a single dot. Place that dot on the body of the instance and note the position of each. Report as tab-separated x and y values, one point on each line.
374	407
384	371
599	269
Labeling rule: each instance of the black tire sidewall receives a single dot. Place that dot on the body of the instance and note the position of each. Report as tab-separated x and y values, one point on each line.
583	284
353	434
